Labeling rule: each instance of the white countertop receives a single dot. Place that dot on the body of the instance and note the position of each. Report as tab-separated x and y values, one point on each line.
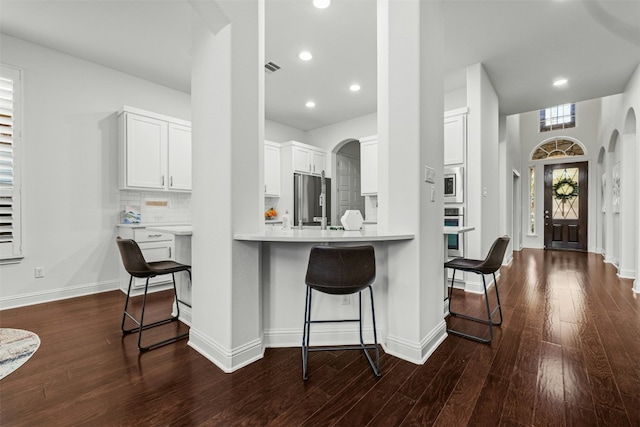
178	230
458	230
316	235
153	224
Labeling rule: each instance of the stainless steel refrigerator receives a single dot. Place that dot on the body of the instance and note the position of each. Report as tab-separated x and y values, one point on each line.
306	199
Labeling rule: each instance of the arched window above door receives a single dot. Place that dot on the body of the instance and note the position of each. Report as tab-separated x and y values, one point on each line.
556	148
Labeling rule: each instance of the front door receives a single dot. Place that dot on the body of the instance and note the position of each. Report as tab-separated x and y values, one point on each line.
565	206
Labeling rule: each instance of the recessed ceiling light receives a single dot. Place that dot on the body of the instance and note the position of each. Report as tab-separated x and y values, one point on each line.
560	82
310	104
321	4
354	87
305	56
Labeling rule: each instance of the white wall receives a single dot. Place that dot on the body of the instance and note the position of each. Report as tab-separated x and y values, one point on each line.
277	132
632	105
483	187
328	137
455	99
69	170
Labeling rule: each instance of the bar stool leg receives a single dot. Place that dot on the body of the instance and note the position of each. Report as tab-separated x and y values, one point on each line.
486	300
376	370
126	306
305	335
144	303
495	284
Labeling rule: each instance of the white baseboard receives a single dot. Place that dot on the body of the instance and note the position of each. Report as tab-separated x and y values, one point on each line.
58	294
624	273
417	352
636	286
293	337
229	360
475	286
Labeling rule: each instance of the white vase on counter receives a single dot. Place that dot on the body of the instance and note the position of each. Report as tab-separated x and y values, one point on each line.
352	220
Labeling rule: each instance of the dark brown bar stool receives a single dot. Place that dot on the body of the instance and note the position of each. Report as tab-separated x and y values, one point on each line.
489	265
340	271
136	266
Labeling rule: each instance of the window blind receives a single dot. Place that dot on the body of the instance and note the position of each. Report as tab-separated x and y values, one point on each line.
7	182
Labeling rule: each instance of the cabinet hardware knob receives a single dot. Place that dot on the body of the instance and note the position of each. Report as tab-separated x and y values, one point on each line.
154	235
162	179
171	181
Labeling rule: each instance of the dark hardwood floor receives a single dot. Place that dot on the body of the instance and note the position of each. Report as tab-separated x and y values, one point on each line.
568	353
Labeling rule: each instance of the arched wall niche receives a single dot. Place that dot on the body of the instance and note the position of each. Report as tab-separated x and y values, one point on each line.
630	125
613	141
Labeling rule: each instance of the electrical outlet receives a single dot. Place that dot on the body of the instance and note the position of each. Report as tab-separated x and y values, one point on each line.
39	272
346	300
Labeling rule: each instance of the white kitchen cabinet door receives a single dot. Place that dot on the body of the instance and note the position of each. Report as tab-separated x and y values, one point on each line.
318	162
369	167
146	152
301	159
455	139
179	157
271	169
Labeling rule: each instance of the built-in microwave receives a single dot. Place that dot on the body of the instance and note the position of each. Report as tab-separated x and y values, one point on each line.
454	185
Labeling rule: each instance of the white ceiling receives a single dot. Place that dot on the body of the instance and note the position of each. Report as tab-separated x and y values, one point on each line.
523	44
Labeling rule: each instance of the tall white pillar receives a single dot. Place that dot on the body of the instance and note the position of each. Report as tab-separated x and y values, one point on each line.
410	136
228	130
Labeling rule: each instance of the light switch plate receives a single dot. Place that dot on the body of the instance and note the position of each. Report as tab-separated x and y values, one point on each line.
429	175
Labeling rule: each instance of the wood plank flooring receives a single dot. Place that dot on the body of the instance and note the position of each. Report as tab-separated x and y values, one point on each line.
567	354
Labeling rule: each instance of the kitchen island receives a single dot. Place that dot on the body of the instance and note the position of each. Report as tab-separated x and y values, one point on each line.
285	255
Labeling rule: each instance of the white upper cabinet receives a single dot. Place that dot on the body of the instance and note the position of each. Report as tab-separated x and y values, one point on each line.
318	162
154	151
369	165
179	157
308	159
301	159
271	169
455	137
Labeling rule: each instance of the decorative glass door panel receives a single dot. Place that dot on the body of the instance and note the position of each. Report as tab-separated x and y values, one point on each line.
565	204
565	193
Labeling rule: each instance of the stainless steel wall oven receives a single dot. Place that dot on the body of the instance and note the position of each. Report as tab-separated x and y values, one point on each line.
454	217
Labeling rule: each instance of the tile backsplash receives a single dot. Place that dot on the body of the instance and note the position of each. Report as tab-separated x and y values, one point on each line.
157	207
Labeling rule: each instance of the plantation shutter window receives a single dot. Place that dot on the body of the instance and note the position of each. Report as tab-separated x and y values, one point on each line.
10	244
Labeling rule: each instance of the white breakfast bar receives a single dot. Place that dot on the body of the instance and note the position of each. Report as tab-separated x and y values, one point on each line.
285	255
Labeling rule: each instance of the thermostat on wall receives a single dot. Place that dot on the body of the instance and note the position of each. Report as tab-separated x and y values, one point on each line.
429	175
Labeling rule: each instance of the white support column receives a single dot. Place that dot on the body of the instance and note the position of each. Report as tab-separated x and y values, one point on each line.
228	130
410	135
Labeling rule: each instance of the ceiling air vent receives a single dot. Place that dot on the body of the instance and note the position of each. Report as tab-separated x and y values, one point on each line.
271	67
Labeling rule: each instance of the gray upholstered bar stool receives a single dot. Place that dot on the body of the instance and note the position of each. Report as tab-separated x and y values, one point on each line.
489	265
136	266
340	271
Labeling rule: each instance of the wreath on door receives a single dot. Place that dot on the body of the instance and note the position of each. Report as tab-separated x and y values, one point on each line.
565	189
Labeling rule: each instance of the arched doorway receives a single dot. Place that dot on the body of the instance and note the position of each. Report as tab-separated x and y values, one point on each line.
347	189
566	193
